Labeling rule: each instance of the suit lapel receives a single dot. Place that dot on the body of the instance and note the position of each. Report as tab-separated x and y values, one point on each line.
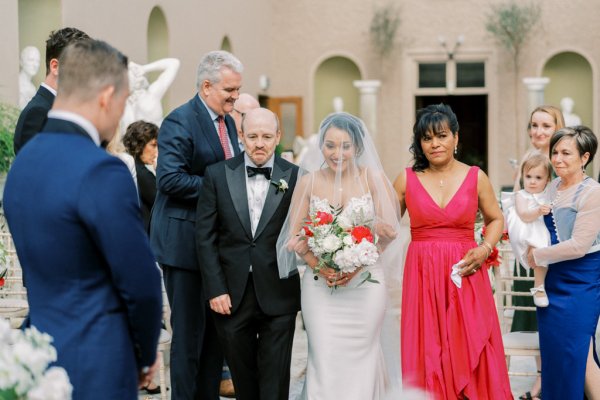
208	127
236	182
232	132
273	197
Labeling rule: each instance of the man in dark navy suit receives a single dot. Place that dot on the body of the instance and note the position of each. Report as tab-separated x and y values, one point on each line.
35	114
195	135
92	281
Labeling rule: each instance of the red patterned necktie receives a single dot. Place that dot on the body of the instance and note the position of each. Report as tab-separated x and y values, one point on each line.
223	137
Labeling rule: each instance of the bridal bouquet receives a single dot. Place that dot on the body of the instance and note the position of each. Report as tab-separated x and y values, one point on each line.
24	372
342	242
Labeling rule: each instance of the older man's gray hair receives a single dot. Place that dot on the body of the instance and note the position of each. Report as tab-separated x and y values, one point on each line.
211	64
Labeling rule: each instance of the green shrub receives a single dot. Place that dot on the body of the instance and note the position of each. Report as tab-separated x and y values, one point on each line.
8	121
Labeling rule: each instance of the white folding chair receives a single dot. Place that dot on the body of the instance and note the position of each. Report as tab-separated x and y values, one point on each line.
515	343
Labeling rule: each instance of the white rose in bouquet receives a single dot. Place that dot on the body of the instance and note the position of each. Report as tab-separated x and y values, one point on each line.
331	243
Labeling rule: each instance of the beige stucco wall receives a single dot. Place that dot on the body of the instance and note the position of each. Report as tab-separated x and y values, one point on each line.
287	40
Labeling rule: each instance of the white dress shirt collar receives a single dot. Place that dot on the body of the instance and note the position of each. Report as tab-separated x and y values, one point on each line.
50	88
78	120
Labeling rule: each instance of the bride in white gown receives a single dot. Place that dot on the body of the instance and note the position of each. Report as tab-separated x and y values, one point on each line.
344	314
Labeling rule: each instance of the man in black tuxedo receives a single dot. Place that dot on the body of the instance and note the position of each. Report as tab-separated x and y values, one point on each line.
241	209
193	136
35	114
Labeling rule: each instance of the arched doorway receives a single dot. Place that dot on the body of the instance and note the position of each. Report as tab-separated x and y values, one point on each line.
333	78
158	44
570	76
226	44
36	20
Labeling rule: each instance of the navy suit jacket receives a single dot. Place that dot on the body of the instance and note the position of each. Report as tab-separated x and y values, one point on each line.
226	246
92	281
33	117
187	143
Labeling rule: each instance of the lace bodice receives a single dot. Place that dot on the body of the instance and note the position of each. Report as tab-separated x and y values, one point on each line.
357	210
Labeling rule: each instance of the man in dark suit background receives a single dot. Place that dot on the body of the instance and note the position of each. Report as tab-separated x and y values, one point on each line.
241	209
35	114
72	209
193	136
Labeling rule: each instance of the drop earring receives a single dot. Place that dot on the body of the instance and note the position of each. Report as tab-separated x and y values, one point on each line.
455	150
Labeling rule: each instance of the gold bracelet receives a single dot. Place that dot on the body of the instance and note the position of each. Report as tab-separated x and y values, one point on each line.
487	246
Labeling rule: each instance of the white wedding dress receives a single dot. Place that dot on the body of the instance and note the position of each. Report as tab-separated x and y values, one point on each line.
345	358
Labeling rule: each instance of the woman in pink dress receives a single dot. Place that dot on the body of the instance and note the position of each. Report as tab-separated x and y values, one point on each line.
451	341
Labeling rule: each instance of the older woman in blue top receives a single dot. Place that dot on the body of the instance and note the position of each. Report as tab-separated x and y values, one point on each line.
567	327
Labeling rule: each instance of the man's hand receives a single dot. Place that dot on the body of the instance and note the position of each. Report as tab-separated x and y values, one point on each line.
221	304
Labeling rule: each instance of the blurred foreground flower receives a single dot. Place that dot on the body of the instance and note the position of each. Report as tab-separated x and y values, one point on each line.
24	372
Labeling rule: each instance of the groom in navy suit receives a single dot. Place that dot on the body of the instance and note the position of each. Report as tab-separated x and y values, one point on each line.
92	282
195	135
241	209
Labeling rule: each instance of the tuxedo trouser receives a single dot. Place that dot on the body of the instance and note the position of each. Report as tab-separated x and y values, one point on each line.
196	355
258	349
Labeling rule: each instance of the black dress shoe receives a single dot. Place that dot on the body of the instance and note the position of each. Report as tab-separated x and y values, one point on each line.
155	390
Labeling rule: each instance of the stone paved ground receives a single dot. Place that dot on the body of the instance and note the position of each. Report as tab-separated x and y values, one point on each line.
519	385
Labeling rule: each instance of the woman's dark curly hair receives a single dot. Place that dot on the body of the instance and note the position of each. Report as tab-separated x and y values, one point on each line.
137	136
433	118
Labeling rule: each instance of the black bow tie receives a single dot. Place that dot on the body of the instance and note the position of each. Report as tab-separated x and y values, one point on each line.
252	171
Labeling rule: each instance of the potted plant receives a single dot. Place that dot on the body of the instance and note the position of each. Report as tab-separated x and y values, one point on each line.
8	121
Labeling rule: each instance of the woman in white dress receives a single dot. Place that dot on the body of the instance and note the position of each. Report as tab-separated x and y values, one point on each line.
343	311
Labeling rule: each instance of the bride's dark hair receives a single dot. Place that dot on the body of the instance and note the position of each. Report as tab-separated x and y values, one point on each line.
432	118
345	122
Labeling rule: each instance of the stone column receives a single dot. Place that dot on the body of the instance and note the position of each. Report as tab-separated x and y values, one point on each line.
535	91
368	103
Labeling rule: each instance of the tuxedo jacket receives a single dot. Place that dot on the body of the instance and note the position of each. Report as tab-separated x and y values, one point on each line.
33	117
187	143
92	281
226	246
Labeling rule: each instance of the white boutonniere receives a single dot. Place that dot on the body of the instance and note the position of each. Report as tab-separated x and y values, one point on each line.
281	185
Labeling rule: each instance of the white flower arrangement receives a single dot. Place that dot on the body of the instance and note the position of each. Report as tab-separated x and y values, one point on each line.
281	185
342	241
24	372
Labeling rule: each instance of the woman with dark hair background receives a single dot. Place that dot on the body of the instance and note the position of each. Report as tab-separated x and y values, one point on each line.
140	142
451	341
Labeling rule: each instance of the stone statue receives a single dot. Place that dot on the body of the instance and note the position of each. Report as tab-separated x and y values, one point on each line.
566	105
338	104
30	64
144	102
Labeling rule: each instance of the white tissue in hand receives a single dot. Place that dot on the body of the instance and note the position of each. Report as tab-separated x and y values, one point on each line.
455	276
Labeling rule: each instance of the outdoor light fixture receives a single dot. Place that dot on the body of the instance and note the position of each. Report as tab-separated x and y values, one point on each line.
459	40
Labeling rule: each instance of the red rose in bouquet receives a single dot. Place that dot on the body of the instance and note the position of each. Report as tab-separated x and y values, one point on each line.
361	232
324	218
307	231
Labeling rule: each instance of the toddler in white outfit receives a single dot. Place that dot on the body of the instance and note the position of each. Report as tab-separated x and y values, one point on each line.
524	213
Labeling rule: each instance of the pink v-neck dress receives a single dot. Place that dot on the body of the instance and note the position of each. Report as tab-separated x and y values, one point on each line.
451	341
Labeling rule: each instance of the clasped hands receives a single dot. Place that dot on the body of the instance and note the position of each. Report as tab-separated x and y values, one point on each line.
336	278
331	276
